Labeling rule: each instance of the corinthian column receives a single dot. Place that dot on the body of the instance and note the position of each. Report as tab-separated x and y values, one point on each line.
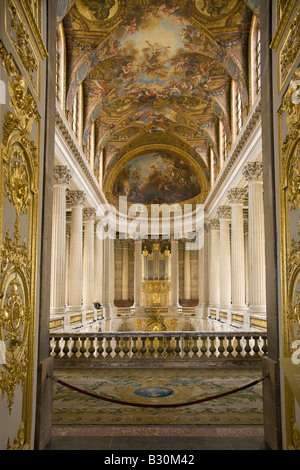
98	265
62	177
77	200
235	197
214	297
88	258
224	214
256	237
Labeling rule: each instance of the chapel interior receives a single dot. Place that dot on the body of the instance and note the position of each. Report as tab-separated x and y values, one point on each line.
149	224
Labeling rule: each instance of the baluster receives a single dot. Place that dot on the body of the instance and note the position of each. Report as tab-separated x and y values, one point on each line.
126	348
221	348
169	349
151	348
91	349
247	347
255	348
134	348
83	346
177	349
108	348
143	349
160	348
66	348
212	348
264	347
118	348
57	348
100	348
238	347
229	347
186	347
203	348
74	347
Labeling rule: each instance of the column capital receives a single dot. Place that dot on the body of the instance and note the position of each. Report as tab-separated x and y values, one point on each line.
89	214
236	195
215	224
62	175
253	171
224	212
76	198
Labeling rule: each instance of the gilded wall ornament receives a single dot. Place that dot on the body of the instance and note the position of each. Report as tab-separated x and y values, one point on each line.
17	184
15	312
22	42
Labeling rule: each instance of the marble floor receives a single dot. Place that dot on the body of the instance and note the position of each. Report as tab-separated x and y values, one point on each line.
157	438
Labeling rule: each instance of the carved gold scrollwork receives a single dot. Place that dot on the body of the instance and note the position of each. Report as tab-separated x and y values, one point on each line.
289	115
19	161
15	312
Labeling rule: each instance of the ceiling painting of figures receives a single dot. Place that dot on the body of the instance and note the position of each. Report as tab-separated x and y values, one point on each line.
157	178
158	67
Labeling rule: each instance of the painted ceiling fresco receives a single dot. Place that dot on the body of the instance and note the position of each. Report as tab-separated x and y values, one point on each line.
156	71
157	178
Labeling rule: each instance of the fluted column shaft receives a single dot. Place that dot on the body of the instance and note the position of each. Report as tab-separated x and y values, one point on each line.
98	266
203	278
125	275
214	297
62	178
187	272
224	214
174	274
77	199
256	237
138	267
235	197
88	258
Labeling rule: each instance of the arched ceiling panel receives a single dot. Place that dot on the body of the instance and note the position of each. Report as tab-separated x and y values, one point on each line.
153	70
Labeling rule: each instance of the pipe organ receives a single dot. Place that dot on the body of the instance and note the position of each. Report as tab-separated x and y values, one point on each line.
156	285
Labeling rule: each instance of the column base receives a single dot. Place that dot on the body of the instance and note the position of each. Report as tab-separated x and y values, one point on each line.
258	310
239	308
77	309
57	310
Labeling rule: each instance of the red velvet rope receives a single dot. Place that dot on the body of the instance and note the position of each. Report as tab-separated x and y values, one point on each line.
148	405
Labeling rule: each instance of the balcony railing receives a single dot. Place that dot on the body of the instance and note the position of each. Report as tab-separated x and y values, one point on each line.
159	345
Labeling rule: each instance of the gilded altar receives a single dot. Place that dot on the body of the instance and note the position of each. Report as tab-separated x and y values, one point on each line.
156	293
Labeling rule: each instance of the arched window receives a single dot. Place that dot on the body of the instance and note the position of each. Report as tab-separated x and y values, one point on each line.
258	60
60	66
239	116
75	115
255	59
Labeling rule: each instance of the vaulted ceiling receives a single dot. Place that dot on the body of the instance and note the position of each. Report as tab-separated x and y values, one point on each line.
156	78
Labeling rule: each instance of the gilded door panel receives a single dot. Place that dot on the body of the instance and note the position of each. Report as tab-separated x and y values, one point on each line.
21	121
